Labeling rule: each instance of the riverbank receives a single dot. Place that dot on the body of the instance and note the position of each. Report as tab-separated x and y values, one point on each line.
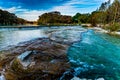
27	26
98	29
36	59
19	26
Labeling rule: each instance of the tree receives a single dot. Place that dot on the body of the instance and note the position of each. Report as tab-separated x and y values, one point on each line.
81	18
76	18
84	18
104	6
114	12
113	27
7	18
97	17
54	17
102	15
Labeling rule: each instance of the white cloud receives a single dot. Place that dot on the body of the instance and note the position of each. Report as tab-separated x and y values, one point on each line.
31	15
87	6
69	8
26	14
104	0
11	9
74	2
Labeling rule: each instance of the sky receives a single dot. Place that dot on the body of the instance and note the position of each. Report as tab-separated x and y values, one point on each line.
31	9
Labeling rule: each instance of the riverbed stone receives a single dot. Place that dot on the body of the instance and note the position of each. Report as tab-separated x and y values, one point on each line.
46	60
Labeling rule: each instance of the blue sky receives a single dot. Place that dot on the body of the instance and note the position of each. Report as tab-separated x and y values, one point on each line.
31	9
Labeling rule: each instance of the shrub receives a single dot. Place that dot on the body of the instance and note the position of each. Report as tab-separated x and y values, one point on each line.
113	27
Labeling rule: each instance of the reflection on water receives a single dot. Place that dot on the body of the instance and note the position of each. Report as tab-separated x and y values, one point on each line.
13	37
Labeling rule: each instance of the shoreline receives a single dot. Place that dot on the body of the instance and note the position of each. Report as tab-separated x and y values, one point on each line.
98	29
22	26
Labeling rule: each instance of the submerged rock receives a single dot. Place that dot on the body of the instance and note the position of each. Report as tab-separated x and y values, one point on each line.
24	55
41	59
76	78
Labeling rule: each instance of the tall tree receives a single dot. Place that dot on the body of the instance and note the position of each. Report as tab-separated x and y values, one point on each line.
76	18
7	18
114	12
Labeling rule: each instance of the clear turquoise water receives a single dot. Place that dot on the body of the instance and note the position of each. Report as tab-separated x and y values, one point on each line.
96	55
92	55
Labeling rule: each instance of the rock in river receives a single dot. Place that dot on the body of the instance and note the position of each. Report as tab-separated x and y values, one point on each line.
39	59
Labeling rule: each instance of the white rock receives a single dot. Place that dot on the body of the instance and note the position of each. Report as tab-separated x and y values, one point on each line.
75	78
100	79
24	55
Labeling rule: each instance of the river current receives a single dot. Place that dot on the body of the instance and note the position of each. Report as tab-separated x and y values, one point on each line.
92	55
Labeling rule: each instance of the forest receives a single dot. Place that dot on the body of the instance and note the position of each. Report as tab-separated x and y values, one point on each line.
7	18
108	14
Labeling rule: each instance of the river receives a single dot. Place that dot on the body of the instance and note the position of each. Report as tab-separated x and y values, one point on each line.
92	55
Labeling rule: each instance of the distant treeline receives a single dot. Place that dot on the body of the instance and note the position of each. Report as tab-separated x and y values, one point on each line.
7	18
107	13
107	16
54	17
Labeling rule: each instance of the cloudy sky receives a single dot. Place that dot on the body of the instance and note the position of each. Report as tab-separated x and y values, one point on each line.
31	9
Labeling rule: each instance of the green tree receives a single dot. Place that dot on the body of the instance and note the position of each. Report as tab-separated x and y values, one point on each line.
114	12
76	18
97	17
113	27
84	18
54	17
7	18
